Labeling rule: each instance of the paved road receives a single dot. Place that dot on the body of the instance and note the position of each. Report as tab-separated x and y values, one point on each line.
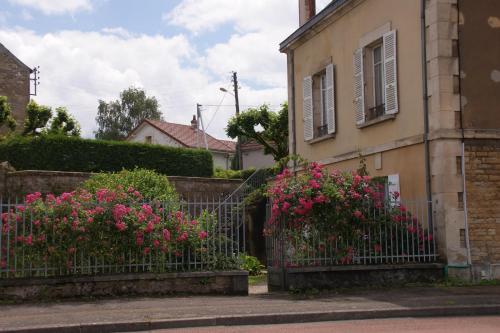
406	325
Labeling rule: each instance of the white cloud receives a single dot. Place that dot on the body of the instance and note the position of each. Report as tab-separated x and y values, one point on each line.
79	68
55	7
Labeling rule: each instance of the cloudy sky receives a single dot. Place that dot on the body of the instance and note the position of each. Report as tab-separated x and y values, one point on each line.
181	51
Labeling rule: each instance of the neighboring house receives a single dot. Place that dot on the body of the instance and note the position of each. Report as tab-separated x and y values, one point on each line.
188	136
413	86
15	84
253	156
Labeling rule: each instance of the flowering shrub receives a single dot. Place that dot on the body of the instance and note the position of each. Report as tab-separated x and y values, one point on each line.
106	227
339	215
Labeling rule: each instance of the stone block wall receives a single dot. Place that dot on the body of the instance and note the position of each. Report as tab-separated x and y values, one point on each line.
16	184
482	170
15	84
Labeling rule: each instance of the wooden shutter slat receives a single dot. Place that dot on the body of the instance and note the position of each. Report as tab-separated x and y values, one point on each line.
359	87
391	73
330	98
308	108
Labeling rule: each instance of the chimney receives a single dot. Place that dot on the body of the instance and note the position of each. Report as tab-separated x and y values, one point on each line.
307	9
194	123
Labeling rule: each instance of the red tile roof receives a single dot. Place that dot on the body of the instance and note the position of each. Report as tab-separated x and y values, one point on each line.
187	136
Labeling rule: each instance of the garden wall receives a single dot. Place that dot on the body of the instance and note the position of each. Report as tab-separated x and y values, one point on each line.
351	276
18	183
145	284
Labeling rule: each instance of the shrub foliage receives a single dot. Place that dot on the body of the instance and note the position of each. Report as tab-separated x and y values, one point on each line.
61	153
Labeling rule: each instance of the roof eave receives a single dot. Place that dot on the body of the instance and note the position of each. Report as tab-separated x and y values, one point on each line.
312	23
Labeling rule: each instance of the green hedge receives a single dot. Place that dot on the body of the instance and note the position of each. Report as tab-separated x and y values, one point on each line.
60	153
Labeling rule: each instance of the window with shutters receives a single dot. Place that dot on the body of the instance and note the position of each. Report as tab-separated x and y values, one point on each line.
375	76
319	104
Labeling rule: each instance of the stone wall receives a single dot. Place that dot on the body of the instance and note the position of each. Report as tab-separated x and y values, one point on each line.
19	183
15	84
482	170
139	284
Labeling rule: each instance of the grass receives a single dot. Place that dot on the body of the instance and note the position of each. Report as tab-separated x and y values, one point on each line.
254	280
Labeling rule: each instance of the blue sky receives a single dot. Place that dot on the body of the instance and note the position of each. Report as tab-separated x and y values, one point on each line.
180	51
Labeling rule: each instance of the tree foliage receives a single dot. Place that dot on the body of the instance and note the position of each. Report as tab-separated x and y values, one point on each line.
39	121
64	124
116	119
6	114
37	117
268	128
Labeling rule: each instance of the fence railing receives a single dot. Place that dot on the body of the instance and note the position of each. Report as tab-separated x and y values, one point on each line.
394	233
205	234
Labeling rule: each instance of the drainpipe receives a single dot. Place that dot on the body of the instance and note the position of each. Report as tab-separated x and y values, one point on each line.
462	130
428	188
291	106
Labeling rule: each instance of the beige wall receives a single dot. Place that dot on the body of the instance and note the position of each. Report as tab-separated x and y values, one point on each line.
222	160
256	159
336	43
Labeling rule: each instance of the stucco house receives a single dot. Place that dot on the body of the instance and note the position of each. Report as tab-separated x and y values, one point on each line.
413	87
15	84
252	155
188	136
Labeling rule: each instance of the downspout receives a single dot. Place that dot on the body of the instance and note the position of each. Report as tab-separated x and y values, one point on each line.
462	130
291	106
428	188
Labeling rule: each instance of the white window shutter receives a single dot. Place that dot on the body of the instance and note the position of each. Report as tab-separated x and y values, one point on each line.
307	109
391	73
330	98
393	185
359	87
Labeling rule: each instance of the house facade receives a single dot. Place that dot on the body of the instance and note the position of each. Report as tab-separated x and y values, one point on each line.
15	84
184	136
253	156
402	85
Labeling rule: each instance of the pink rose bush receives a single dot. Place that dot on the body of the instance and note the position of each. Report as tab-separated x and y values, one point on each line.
337	215
107	227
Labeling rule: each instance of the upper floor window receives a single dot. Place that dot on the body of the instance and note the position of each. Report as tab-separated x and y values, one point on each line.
149	139
319	104
375	79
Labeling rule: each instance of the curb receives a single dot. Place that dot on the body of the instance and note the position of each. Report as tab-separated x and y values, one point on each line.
264	319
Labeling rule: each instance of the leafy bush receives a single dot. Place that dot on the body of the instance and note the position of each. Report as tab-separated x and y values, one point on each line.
108	227
150	184
319	210
233	174
251	264
61	153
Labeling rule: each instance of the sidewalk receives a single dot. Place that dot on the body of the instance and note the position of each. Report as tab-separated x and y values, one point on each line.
135	314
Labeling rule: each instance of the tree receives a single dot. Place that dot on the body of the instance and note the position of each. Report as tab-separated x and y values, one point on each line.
116	119
39	121
37	117
268	128
64	124
5	114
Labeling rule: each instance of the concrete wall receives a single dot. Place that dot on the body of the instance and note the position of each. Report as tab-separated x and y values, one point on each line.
19	183
398	142
15	84
256	159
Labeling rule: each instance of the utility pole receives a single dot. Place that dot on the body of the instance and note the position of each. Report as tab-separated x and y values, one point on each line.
237	105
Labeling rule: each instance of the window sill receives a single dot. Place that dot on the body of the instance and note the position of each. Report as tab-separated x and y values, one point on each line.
377	120
321	138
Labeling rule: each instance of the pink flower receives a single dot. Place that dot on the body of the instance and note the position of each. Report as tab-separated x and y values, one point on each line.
30	198
286	205
139	240
3	264
182	237
314	184
90	219
149	227
202	235
120	226
119	211
166	234
147	250
147	209
66	196
377	248
358	214
71	250
21	208
156	243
